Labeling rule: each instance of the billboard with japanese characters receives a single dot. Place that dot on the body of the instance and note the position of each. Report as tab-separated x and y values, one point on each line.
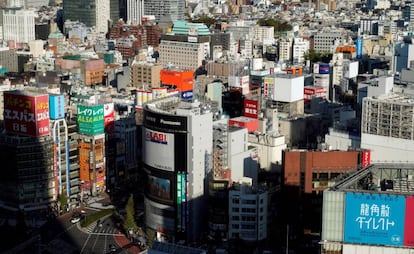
26	114
158	150
409	222
109	119
251	108
374	219
90	119
57	106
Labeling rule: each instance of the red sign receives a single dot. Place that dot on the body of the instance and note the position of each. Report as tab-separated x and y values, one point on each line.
409	222
109	119
25	114
251	108
365	159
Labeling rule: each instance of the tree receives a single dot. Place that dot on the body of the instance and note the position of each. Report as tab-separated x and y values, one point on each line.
277	25
63	200
205	20
129	222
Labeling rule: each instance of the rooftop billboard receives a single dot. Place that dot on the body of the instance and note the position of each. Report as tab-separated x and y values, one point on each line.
90	119
26	114
409	222
158	149
374	219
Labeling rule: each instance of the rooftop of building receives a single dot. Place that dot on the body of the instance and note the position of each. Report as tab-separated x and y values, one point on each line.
379	178
185	28
394	98
170	248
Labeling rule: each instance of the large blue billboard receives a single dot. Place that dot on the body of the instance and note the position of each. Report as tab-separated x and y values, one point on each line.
374	219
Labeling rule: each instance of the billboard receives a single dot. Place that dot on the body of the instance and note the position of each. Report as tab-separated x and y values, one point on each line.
159	187
268	87
359	48
158	149
109	119
160	121
57	106
374	219
90	119
324	68
251	108
409	222
181	201
365	159
26	114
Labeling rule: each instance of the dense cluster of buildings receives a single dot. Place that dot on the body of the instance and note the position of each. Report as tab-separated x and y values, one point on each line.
227	125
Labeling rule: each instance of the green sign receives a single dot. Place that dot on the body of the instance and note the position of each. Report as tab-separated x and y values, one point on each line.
181	201
90	119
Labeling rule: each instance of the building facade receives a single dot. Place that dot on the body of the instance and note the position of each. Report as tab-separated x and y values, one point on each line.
177	150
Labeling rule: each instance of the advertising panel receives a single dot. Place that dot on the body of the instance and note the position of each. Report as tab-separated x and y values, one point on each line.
157	121
365	159
324	68
251	108
109	119
187	95
358	48
268	87
90	119
157	216
159	187
374	219
181	201
315	68
409	222
57	106
158	150
26	114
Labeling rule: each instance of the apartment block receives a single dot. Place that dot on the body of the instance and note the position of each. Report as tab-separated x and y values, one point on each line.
145	74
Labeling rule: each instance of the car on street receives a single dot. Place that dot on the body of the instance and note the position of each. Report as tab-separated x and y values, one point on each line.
75	220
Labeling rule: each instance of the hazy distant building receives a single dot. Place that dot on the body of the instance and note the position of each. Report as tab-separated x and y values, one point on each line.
135	11
165	10
19	25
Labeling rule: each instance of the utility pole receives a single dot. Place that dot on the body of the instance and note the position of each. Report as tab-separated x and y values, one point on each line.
287	239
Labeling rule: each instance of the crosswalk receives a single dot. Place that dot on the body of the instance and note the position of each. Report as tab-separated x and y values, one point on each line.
94	228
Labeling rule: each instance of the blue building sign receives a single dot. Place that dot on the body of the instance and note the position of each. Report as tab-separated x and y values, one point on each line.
359	48
374	219
187	95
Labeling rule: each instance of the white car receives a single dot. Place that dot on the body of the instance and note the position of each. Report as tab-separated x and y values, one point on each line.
75	220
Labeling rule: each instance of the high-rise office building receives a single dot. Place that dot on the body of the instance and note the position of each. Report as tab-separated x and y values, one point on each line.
19	25
165	10
135	11
93	13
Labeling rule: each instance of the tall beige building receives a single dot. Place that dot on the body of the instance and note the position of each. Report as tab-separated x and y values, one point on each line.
145	74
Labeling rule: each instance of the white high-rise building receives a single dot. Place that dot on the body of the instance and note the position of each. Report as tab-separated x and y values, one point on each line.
19	25
285	50
102	16
324	41
135	11
300	47
186	55
265	34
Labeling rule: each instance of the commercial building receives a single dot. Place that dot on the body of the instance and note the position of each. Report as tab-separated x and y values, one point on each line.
306	174
325	40
387	127
371	211
247	212
93	13
135	11
177	151
145	75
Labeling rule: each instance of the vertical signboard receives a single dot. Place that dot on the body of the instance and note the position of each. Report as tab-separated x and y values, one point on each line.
374	219
57	106
181	201
365	159
251	108
109	119
268	87
25	114
90	119
409	222
359	48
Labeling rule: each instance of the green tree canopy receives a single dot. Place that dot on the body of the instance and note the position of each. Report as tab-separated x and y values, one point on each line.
277	25
129	222
208	21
